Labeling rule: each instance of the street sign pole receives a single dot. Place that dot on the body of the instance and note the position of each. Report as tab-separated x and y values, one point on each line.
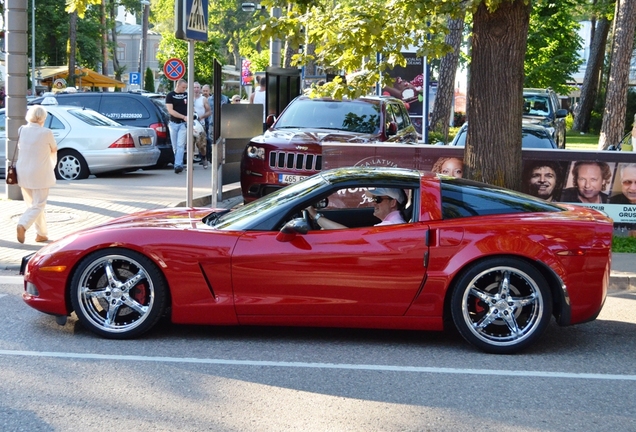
191	24
190	125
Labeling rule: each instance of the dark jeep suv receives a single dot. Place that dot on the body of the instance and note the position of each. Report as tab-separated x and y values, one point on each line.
542	106
129	109
291	149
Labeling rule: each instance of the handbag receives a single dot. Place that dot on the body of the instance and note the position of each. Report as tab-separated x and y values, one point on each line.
12	173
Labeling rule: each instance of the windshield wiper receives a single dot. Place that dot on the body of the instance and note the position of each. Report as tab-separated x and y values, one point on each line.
212	218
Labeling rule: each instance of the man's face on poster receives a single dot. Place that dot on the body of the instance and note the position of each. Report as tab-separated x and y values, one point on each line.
628	184
589	182
542	182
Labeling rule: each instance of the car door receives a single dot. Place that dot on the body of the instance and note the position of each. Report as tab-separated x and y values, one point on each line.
368	271
58	126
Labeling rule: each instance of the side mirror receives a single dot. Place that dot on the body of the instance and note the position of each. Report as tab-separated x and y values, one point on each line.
391	129
562	113
323	203
270	120
291	229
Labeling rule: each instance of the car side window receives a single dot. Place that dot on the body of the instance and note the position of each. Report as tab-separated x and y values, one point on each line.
53	122
397	115
91	102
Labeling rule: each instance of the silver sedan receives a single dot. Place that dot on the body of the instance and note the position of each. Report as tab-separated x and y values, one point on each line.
90	143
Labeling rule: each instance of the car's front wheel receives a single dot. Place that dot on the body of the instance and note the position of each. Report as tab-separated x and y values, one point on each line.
501	305
71	166
118	293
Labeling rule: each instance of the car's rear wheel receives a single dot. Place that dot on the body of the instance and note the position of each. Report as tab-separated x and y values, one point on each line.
501	305
118	293
71	166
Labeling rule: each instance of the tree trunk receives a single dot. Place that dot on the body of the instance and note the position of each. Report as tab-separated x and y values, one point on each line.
592	77
72	39
289	52
613	126
104	40
113	34
310	67
440	118
495	95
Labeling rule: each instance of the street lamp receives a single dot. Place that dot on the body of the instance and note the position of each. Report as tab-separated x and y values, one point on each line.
274	44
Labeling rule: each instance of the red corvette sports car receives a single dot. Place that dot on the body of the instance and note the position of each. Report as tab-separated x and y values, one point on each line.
494	263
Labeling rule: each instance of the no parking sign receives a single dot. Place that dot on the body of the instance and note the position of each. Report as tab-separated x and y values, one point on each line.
174	69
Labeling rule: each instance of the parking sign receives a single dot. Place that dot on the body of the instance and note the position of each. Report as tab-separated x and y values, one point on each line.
134	78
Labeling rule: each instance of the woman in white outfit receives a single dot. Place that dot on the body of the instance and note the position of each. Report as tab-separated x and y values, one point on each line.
37	156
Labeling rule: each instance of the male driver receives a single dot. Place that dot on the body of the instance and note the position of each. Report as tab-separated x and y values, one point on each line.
177	105
388	206
542	179
590	179
628	185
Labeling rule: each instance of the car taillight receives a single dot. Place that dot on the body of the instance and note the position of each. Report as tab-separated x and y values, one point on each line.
124	142
161	129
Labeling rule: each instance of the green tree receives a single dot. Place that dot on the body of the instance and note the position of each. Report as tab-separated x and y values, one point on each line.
553	45
149	80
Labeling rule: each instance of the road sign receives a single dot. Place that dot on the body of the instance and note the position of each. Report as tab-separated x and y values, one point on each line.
191	20
174	69
134	78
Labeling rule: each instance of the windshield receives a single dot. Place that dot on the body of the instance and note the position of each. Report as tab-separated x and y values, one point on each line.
269	206
351	116
93	118
536	105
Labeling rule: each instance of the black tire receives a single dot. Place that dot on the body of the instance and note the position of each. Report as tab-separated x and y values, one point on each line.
501	305
71	166
118	294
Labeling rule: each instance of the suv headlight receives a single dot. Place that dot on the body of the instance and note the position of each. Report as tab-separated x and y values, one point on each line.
256	152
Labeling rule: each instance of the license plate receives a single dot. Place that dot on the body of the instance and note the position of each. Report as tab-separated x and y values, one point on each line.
145	141
287	179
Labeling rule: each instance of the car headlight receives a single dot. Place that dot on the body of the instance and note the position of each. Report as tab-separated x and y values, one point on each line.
256	152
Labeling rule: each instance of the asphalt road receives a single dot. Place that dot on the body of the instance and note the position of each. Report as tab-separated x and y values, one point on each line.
191	378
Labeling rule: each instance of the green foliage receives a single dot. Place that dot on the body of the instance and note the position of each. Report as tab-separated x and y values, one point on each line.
204	55
553	45
149	81
569	122
624	244
368	38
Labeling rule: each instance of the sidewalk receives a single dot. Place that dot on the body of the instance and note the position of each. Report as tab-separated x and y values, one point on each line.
66	214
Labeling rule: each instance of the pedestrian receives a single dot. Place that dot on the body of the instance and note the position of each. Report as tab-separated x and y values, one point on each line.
203	111
37	156
258	97
236	99
177	105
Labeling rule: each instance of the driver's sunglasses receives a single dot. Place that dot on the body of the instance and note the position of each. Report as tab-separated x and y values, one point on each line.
379	199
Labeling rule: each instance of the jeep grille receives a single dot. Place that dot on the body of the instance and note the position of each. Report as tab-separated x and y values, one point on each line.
295	161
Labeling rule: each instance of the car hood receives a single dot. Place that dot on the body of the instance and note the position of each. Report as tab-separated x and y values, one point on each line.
179	217
314	136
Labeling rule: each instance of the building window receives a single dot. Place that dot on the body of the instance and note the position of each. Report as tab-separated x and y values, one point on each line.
121	52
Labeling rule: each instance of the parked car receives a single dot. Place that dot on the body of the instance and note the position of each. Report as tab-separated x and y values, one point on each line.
291	149
134	109
90	143
495	263
532	136
543	107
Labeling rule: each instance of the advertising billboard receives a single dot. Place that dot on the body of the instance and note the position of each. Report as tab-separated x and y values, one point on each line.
604	180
